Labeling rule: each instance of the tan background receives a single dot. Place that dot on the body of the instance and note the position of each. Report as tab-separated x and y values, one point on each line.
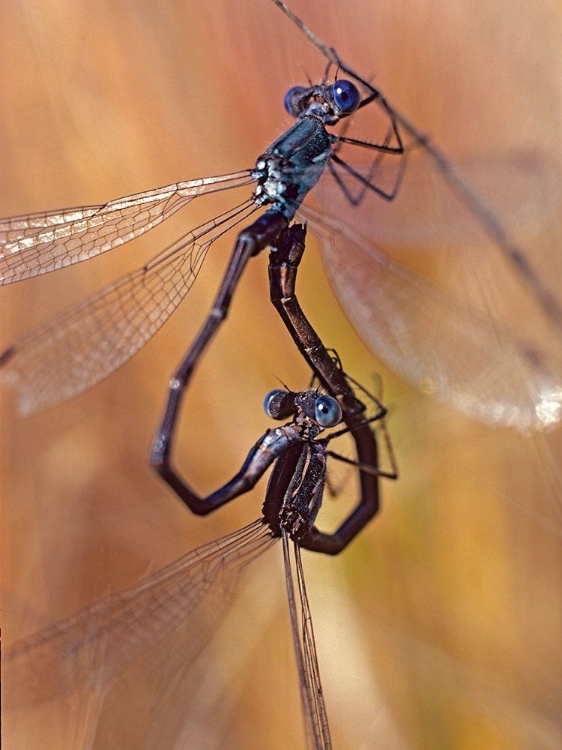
440	627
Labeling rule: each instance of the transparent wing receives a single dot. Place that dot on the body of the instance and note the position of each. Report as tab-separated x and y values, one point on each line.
461	355
491	223
39	243
522	189
186	598
312	698
72	352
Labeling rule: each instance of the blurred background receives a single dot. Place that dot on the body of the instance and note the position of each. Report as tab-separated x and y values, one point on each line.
440	626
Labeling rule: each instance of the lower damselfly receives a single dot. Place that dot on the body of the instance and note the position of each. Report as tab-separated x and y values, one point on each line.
91	648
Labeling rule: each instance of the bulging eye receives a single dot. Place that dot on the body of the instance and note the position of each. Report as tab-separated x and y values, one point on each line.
346	96
293	99
327	411
278	404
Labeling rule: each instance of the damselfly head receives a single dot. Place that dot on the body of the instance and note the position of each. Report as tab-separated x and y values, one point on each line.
328	102
306	406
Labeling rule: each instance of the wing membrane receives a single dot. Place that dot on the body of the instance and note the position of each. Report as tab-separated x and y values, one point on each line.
521	188
312	698
84	345
188	596
459	355
44	242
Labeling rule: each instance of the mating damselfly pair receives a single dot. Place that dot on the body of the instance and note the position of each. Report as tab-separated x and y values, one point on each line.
536	391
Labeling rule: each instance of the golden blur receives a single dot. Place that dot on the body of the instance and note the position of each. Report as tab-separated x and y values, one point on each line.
439	627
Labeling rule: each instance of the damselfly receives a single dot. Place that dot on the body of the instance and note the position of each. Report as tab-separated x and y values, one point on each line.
440	617
88	650
476	363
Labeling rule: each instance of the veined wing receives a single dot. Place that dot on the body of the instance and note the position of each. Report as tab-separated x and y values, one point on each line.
312	698
489	224
521	188
39	243
459	355
187	597
82	346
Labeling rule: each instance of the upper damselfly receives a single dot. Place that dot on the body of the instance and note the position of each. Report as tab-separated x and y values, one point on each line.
482	366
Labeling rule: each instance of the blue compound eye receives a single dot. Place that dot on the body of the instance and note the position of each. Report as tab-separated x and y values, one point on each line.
327	411
346	96
292	100
278	404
